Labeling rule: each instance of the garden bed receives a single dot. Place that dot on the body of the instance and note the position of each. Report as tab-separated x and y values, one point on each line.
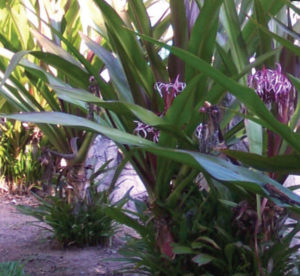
39	253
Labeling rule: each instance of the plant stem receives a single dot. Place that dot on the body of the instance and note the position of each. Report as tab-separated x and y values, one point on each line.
260	210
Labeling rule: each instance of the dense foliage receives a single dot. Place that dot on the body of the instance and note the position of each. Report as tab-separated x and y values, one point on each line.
180	116
19	157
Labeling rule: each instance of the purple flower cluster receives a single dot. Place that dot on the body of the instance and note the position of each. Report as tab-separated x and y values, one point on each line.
145	131
169	91
272	86
170	88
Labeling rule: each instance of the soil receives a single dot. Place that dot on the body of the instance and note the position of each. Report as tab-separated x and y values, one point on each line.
35	248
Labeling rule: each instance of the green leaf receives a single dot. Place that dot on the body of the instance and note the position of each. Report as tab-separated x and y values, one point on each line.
265	42
229	250
218	168
12	99
125	44
58	118
227	61
293	48
254	136
226	172
202	259
77	75
281	163
121	108
13	64
233	29
105	89
114	67
51	47
228	203
119	216
32	67
179	249
209	241
139	16
161	27
271	7
203	36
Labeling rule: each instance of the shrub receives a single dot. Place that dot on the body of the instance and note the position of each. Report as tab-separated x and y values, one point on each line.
81	223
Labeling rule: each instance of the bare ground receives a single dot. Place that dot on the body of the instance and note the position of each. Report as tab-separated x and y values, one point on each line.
35	248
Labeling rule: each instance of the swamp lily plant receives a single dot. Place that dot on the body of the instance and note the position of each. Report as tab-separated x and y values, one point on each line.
165	114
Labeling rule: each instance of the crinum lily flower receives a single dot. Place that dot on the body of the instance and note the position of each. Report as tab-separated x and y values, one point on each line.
275	89
168	91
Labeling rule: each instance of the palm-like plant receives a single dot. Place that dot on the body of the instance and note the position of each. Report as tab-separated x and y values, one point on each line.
212	43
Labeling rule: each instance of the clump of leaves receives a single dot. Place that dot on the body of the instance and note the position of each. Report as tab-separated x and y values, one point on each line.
11	269
209	238
82	223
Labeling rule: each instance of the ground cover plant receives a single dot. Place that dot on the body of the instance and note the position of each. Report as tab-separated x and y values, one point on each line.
211	210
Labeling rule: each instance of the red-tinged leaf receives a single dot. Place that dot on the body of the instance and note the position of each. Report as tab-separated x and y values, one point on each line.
164	241
180	37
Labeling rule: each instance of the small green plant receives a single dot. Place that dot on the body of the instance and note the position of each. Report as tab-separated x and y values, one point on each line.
19	152
81	223
11	269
